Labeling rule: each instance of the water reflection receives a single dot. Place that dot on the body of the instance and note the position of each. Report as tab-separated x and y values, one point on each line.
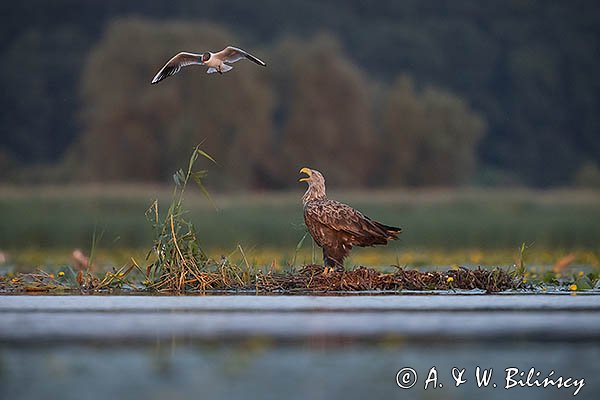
267	369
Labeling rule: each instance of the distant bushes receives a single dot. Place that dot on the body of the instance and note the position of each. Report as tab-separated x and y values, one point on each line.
430	137
529	68
311	106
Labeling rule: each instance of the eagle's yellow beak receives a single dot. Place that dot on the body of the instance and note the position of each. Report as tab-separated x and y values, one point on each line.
306	171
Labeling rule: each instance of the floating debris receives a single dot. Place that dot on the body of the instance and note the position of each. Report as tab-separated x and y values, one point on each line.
313	278
563	263
308	279
82	262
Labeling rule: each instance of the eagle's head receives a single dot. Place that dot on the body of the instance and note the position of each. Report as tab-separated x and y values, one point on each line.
313	176
316	184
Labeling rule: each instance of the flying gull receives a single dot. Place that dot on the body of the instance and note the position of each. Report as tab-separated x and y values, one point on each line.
216	62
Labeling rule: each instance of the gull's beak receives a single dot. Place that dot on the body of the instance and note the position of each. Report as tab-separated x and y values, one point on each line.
306	171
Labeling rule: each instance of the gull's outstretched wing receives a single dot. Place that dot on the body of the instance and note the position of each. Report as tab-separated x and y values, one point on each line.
176	63
232	54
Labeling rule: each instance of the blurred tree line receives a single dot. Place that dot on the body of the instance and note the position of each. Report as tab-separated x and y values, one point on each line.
312	106
410	92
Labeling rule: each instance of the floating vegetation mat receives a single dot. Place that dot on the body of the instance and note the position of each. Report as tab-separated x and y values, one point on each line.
315	278
308	279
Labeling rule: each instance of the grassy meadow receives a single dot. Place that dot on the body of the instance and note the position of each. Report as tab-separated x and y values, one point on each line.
42	225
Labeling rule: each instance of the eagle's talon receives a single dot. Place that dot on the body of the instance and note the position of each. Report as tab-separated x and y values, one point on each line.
328	271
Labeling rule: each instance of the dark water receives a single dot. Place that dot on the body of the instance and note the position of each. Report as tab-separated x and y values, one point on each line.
295	347
262	369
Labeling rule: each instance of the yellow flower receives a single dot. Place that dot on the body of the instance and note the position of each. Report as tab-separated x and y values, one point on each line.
573	287
61	273
581	273
51	276
524	280
121	274
14	280
450	279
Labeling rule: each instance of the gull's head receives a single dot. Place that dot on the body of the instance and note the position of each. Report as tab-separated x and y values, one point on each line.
205	57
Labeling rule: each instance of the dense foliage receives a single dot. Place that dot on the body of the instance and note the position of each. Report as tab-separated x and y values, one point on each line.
524	73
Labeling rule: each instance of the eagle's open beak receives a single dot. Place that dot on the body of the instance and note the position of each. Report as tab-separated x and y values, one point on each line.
306	171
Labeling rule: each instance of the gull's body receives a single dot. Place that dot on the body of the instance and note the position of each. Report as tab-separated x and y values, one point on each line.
216	62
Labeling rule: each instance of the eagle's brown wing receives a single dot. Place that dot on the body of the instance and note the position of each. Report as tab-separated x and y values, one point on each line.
343	224
175	64
336	227
335	244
